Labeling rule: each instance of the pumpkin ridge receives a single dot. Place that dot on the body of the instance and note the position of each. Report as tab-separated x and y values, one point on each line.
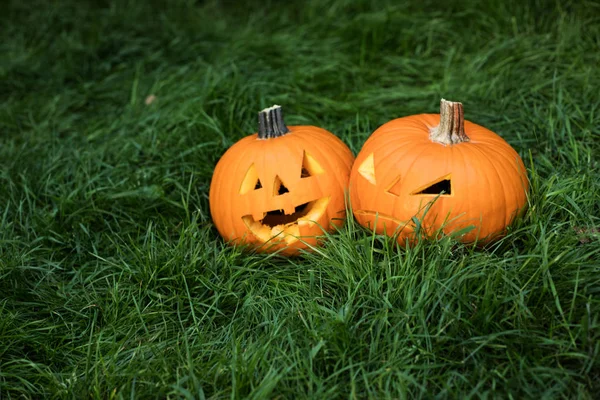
482	159
411	132
395	132
516	162
454	213
398	137
501	170
393	150
410	166
515	189
497	145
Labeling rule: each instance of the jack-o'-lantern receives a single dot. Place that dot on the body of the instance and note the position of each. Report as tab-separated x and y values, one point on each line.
281	188
423	175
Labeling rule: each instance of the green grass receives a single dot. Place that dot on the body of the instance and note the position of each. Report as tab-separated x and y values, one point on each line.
115	284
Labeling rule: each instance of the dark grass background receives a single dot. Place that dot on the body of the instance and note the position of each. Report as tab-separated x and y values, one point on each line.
115	284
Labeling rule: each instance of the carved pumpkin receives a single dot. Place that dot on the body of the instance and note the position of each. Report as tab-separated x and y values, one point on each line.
439	173
281	187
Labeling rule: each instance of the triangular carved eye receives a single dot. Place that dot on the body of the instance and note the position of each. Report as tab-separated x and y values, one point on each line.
395	187
279	188
310	166
442	187
367	169
251	181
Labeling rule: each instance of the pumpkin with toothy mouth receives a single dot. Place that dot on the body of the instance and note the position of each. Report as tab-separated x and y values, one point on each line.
281	188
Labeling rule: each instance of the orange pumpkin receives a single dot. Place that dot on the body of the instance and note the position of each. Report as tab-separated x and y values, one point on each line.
280	188
437	173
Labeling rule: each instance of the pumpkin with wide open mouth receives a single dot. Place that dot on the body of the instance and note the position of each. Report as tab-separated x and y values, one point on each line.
281	188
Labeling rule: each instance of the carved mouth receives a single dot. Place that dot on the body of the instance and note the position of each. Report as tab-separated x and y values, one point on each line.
385	223
380	216
278	217
277	223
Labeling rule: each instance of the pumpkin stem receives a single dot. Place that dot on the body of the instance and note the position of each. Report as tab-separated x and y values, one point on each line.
270	123
451	129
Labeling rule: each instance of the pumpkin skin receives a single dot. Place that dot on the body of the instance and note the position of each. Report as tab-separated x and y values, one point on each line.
280	192
404	177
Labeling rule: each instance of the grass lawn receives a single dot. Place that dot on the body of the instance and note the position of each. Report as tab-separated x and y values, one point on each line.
114	282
